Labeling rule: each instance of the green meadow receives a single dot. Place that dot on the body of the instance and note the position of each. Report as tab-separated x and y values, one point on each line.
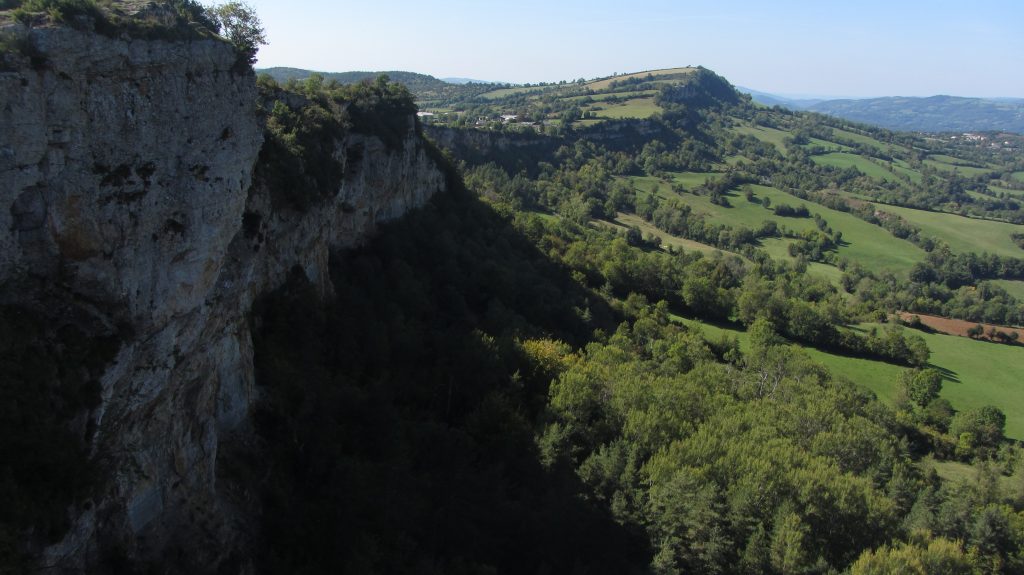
613	95
766	135
635	108
861	139
975	373
1013	287
844	160
666	74
968	171
863	242
624	221
1007	191
504	92
963	234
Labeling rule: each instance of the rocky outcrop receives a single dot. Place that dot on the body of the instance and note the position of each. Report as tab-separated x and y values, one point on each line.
126	175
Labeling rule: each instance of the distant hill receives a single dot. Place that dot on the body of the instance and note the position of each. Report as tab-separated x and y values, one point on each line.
415	82
468	81
934	114
427	89
775	100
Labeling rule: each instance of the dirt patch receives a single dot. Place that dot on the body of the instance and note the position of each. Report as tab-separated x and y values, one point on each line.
962	328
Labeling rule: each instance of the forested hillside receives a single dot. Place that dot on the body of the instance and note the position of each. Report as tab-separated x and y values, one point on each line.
517	377
351	324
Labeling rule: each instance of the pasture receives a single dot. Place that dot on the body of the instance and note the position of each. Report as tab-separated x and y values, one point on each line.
844	160
862	242
766	135
975	373
666	74
635	108
961	233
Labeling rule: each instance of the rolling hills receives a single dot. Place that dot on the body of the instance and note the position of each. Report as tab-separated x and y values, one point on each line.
931	114
877	202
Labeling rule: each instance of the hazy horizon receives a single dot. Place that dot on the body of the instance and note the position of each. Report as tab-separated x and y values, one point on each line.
858	50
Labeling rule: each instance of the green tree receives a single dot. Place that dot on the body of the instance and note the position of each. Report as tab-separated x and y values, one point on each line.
984	426
941	557
922	386
240	24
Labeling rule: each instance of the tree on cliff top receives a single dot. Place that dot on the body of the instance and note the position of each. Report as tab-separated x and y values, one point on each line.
240	24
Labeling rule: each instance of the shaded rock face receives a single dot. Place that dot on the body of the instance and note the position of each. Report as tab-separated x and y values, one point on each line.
125	191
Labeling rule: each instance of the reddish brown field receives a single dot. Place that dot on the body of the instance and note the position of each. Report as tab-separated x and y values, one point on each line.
958	326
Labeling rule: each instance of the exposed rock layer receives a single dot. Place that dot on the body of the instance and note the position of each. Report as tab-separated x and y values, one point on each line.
125	172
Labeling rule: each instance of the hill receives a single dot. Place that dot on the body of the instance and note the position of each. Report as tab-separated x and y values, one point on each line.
776	100
933	114
251	326
685	161
427	89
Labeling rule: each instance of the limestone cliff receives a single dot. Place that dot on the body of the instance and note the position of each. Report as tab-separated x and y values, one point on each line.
126	172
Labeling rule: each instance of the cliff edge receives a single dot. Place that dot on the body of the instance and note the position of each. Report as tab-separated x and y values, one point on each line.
132	217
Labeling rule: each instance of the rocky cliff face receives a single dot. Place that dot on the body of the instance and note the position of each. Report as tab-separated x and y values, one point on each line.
126	180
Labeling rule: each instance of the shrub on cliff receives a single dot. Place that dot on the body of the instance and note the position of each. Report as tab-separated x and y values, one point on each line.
306	122
240	24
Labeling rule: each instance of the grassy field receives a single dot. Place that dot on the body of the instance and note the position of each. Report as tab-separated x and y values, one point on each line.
959	162
624	221
843	160
603	97
976	373
778	248
1019	176
861	139
903	168
1014	287
863	242
1008	191
963	234
635	108
498	94
957	472
766	135
606	83
980	373
968	171
827	145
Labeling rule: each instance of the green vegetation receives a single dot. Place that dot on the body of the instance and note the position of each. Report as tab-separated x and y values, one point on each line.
655	75
765	134
1014	287
634	108
649	440
521	395
297	159
242	27
964	234
501	382
861	163
974	373
183	19
934	114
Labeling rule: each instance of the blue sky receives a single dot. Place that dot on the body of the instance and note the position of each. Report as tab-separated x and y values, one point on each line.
794	47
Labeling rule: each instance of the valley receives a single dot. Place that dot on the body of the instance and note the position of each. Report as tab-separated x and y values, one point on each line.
276	321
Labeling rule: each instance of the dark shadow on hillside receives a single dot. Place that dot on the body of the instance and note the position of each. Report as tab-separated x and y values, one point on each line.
397	420
947	374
